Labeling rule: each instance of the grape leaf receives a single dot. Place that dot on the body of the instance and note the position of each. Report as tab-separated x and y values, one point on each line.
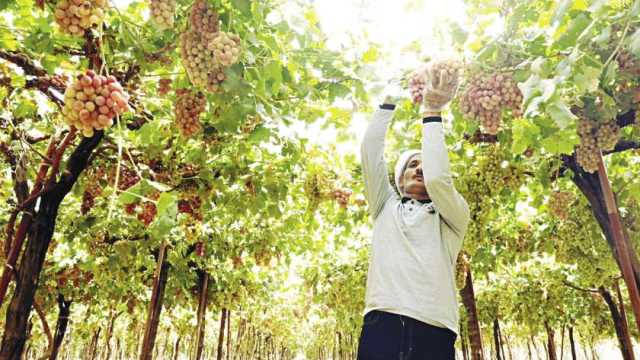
587	79
560	113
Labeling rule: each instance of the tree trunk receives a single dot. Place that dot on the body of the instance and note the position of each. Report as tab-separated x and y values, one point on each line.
551	345
155	305
529	349
38	239
573	344
223	318
94	344
64	309
624	339
176	349
202	312
562	344
228	334
469	301
496	338
108	337
463	343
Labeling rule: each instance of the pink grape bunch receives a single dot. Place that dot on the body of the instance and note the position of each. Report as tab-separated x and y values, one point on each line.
487	95
92	101
76	16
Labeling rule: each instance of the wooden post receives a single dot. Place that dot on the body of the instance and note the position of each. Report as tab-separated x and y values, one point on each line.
619	239
155	305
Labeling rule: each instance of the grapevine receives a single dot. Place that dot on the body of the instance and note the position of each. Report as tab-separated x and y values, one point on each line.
92	102
487	96
189	106
76	16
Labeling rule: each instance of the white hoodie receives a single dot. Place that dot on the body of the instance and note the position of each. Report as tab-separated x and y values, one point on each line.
414	245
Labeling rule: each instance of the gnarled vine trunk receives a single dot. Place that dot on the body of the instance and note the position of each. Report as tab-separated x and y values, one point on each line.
551	344
64	309
38	239
202	312
624	339
223	317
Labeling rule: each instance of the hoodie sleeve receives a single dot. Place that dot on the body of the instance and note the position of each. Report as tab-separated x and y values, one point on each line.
377	189
437	177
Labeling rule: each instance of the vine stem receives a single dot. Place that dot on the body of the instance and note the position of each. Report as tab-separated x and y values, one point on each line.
624	35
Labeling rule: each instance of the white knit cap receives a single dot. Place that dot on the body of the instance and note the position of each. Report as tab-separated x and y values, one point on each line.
401	165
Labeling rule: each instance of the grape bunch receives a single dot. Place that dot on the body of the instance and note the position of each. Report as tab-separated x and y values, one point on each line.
608	135
628	63
76	16
164	86
162	12
341	196
127	178
225	48
203	19
594	137
148	212
189	106
200	249
92	101
205	51
92	188
450	67
487	96
317	186
416	86
191	205
559	203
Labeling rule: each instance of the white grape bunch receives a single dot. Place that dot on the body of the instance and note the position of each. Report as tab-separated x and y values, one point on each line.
92	101
162	12
189	106
205	51
608	135
487	96
76	16
225	48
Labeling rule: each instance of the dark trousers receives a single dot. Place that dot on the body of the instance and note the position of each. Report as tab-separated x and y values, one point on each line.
387	336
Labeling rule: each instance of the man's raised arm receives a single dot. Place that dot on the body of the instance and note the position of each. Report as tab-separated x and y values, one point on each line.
377	188
437	177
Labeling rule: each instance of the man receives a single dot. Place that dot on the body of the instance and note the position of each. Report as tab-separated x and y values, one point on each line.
411	309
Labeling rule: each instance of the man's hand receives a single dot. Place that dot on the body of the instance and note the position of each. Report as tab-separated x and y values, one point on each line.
441	86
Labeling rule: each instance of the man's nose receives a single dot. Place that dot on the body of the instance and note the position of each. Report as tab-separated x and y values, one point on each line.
419	169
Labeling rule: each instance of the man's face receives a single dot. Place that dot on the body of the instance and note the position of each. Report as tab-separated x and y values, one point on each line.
412	181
